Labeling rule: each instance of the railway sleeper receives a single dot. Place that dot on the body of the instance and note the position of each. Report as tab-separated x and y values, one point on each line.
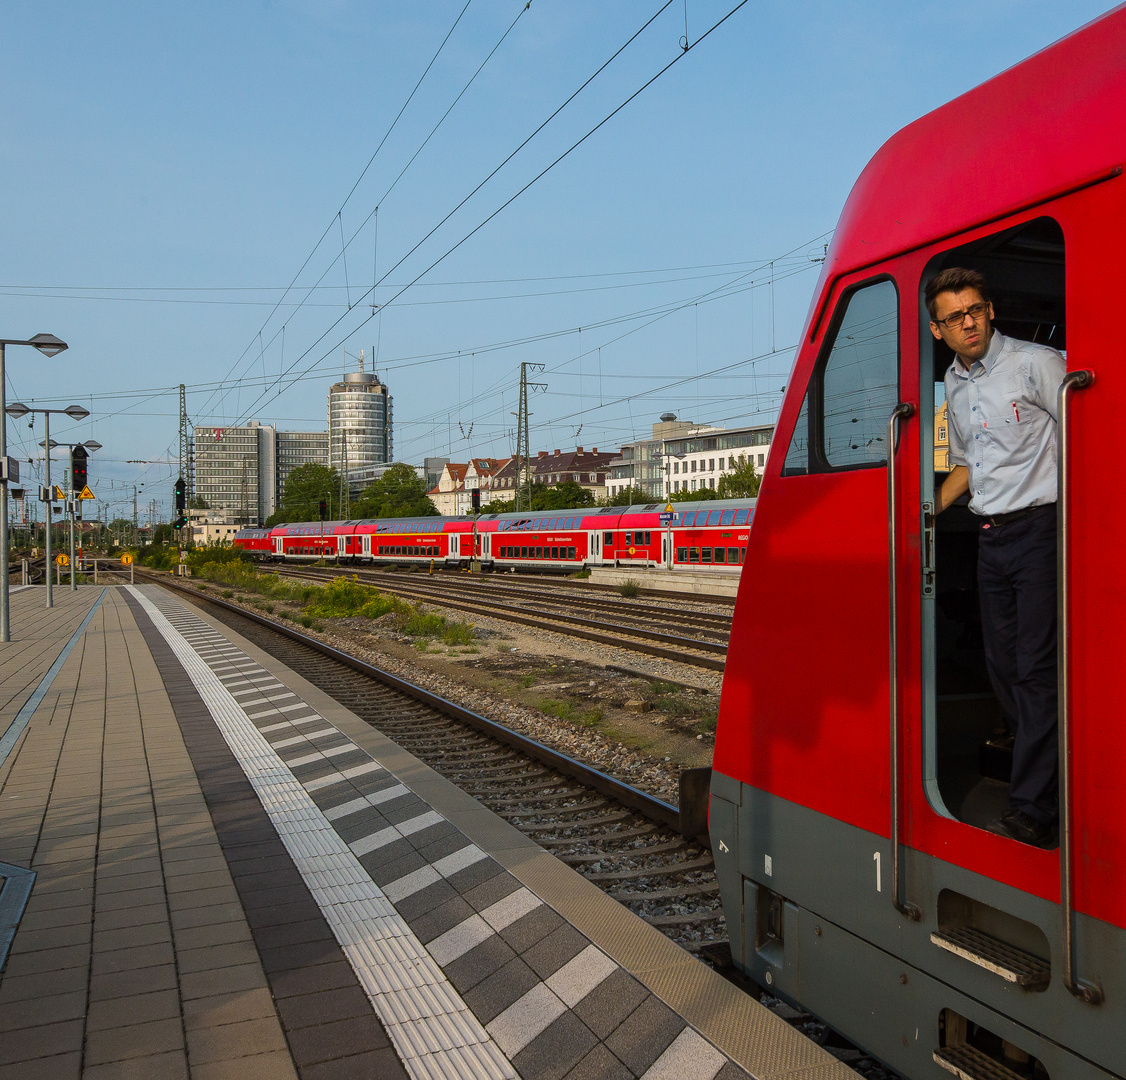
672	845
513	800
601	838
713	915
681	893
661	871
555	811
542	785
602	819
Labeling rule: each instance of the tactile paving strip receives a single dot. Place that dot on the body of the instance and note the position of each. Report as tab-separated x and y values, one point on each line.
471	972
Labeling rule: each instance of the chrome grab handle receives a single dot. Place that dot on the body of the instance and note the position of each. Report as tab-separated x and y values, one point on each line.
904	410
1085	991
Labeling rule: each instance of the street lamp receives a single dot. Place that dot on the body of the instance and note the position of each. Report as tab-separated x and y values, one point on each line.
49	346
16	410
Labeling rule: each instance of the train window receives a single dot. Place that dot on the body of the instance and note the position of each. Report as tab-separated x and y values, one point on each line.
570	553
629	538
854	387
741	517
608	538
727	518
732	555
720	555
705	555
693	554
713	517
523	552
682	554
538	553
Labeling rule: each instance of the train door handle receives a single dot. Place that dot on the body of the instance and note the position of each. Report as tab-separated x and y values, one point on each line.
903	411
1073	380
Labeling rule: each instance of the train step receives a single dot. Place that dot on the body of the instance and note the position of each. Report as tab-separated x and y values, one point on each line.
1012	964
968	1063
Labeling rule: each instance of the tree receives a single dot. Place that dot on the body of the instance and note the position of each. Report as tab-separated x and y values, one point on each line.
304	489
629	496
199	503
703	495
399	492
742	482
567	495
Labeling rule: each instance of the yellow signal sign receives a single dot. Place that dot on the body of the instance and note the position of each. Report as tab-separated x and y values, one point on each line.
86	493
60	495
127	558
62	560
669	509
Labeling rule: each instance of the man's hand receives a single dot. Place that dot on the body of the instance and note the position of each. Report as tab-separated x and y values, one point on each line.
953	487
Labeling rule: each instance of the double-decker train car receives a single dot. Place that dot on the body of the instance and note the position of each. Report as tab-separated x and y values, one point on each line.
699	536
853	772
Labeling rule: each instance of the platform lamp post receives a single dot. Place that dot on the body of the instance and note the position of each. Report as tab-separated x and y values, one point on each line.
75	412
48	345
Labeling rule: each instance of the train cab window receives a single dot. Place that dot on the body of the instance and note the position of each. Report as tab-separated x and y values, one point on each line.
682	554
967	744
854	386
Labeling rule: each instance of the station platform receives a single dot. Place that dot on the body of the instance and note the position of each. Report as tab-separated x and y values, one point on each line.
211	869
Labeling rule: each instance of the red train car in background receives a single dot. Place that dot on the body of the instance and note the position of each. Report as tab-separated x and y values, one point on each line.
853	775
704	536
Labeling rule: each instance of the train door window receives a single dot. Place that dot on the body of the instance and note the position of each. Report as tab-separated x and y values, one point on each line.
967	745
706	555
608	538
720	555
854	386
570	553
629	539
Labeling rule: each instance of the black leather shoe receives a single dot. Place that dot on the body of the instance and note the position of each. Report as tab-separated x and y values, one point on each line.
1019	826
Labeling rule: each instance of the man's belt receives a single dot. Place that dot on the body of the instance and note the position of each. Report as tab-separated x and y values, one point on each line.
1013	515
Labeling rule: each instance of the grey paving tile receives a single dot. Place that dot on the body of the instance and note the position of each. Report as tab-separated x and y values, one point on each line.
301	981
609	1003
222	1009
392	862
139	1040
42	1010
492	995
548	955
139	981
135	1009
731	1071
494	889
600	1064
237	1040
419	903
147	933
532	928
216	957
222	933
440	919
116	918
308	1010
555	1051
48	918
42	984
477	874
168	1066
383	1064
142	956
57	1067
46	1040
31	963
479	963
644	1035
336	1039
28	940
273	1065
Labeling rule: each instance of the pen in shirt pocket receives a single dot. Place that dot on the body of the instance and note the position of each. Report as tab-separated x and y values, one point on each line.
1016	412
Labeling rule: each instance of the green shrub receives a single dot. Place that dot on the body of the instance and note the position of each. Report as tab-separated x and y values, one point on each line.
581	575
306	621
226	594
629	588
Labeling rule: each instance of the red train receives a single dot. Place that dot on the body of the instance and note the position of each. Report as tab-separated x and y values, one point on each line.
855	764
706	536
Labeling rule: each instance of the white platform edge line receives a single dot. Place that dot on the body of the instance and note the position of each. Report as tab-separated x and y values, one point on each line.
360	938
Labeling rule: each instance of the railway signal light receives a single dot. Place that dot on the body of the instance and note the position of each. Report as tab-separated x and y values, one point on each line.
475	498
323	507
78	456
180	490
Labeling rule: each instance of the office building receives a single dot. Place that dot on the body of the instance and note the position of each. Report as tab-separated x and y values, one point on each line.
359	426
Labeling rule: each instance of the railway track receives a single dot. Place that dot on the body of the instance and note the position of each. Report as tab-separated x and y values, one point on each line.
706	652
622	839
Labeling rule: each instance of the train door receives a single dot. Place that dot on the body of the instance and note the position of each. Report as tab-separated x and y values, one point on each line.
967	739
367	545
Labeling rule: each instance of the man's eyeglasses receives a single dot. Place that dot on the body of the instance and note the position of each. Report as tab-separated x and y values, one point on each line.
953	322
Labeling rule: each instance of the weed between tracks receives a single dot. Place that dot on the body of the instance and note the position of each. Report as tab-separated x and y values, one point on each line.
340	598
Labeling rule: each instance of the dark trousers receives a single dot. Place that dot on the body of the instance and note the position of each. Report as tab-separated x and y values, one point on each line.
1016	577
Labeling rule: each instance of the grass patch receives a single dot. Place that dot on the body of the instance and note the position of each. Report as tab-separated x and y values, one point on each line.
567	710
629	588
227	594
200	585
580	575
527	680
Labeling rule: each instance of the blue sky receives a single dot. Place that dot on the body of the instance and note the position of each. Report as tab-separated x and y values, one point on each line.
168	170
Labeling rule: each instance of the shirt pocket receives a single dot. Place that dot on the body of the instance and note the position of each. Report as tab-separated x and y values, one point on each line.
1011	427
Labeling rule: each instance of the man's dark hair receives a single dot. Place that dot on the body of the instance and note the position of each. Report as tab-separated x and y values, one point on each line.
954	279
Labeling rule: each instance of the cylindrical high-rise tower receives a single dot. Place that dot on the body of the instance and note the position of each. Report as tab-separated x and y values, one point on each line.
359	427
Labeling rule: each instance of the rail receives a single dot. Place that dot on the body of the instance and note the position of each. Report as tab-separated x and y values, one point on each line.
649	806
904	410
1073	380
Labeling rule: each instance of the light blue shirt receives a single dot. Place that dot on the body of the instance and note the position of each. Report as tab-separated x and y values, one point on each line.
1002	419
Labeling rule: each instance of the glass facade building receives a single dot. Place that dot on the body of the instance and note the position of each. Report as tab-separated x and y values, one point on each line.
359	427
